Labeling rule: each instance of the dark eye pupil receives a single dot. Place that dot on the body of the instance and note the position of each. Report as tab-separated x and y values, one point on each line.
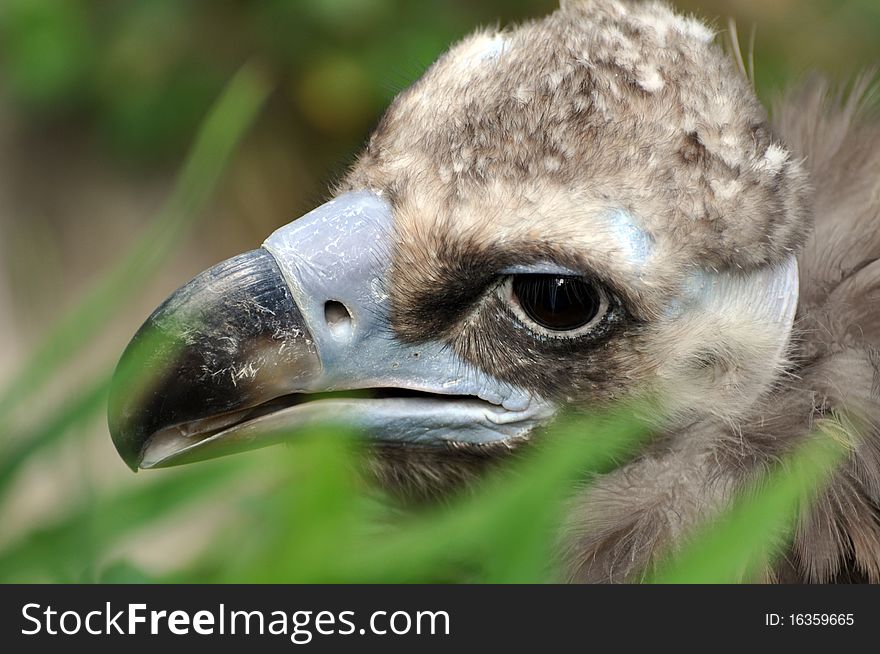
557	302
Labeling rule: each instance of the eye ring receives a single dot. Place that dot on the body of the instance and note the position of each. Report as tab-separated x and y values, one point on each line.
557	305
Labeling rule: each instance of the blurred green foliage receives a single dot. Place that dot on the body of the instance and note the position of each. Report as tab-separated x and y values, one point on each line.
140	73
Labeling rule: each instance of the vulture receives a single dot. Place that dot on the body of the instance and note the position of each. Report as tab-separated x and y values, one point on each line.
561	215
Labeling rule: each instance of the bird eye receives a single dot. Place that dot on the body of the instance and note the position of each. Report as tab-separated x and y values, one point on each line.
559	303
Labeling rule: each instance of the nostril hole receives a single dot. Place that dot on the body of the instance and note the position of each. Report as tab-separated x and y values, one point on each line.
337	317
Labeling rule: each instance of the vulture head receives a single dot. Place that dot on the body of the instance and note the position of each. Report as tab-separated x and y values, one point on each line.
577	211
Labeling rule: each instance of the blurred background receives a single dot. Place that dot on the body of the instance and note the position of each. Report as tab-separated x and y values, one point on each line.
99	102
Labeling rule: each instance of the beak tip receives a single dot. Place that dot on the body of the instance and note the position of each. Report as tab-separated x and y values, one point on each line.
128	445
224	319
127	450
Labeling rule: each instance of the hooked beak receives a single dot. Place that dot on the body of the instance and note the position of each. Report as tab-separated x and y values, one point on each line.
295	333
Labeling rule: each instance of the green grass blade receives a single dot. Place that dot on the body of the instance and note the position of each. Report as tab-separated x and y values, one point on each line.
77	412
741	542
318	527
487	531
147	356
62	550
221	132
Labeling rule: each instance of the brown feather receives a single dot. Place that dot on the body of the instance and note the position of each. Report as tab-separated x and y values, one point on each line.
634	516
839	315
521	141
